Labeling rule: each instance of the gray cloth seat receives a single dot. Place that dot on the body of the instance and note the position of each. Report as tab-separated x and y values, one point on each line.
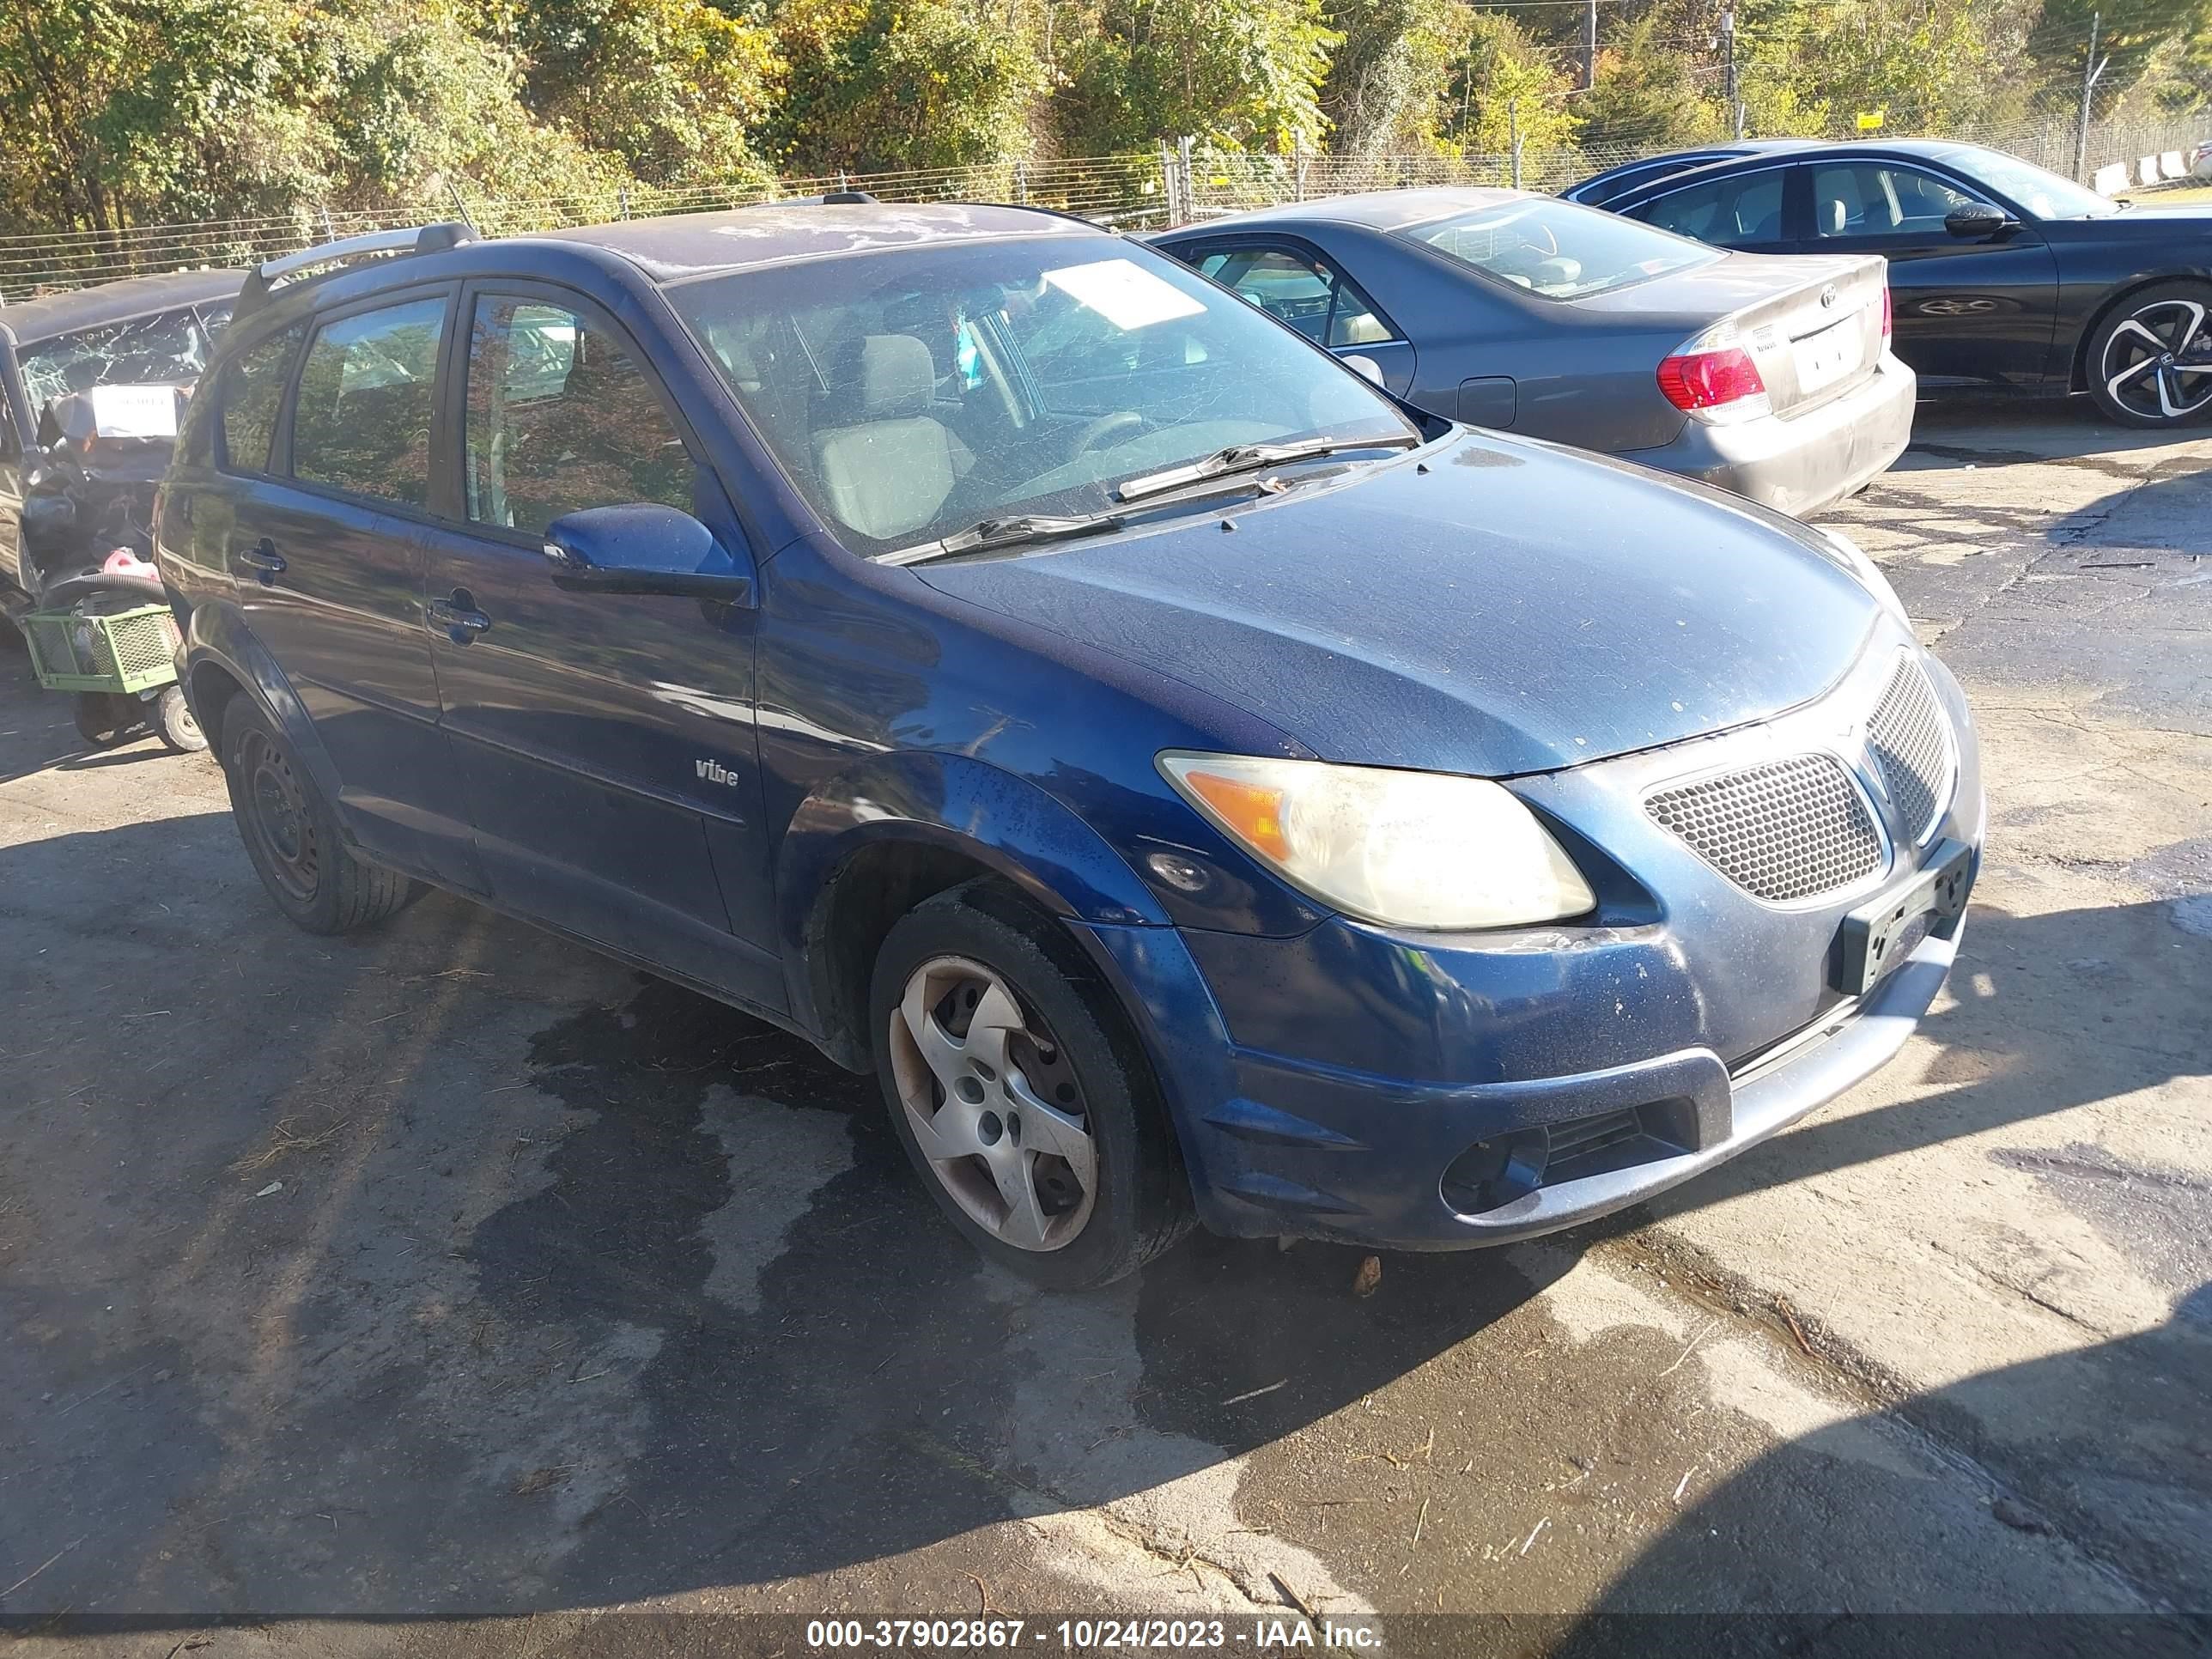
885	464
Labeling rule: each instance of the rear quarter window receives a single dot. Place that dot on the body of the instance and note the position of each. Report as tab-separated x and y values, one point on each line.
248	392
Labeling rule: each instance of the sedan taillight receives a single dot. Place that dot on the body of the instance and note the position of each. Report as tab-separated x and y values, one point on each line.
1714	378
1888	315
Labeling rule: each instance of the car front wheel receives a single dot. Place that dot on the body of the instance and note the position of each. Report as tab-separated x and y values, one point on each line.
1019	1098
2150	362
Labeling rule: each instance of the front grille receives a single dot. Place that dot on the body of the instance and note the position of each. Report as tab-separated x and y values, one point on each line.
1906	737
1782	830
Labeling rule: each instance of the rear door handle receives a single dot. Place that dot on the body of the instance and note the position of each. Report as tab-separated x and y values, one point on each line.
459	615
262	559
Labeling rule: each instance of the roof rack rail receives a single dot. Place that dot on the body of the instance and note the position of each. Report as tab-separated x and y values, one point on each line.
328	258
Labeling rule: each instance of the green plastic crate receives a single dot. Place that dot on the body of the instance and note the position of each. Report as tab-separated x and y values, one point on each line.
128	653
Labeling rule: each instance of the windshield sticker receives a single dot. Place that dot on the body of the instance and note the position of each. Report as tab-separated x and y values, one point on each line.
1124	293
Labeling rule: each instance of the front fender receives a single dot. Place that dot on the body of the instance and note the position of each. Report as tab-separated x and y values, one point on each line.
217	639
1002	821
956	803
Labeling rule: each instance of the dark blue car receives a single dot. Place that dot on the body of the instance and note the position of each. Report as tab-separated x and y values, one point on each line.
1194	783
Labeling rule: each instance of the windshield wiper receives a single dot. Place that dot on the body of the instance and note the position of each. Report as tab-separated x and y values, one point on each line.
1017	531
1246	458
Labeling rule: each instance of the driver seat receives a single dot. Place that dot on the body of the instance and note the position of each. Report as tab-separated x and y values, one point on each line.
884	462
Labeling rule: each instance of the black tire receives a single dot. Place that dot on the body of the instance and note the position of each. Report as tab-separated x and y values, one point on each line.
292	836
2142	354
1140	1204
104	720
176	725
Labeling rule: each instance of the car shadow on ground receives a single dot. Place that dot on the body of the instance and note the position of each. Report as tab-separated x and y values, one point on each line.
553	1300
600	1291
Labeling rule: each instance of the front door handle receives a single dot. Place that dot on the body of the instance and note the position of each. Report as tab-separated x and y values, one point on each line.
459	615
263	560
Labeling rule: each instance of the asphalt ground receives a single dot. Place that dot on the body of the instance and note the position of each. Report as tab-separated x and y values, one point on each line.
450	1290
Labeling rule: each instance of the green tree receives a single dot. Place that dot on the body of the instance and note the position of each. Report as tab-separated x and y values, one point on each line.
1647	94
119	111
1507	86
901	83
1388	83
1245	76
673	87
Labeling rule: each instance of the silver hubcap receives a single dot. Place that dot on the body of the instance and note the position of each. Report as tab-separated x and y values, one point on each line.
2158	364
994	1105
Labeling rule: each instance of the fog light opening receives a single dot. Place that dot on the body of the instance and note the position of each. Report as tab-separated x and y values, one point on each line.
1493	1173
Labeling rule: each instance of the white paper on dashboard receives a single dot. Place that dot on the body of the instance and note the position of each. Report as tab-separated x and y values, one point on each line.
1124	293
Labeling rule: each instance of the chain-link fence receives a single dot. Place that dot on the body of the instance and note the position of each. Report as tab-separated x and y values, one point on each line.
1170	185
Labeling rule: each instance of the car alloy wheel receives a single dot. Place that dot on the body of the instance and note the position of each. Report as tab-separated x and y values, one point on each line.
278	815
2157	363
994	1105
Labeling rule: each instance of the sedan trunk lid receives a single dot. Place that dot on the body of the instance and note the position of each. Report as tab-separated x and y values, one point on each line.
1812	325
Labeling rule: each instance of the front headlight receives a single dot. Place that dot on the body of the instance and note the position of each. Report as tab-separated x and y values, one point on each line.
1408	850
1865	571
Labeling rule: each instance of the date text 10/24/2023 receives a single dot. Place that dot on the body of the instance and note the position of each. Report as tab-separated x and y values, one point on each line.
1259	1635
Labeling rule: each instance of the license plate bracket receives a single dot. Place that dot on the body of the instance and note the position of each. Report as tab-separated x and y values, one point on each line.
1882	933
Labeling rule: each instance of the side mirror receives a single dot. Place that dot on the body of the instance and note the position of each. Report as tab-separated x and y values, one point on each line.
1978	219
644	547
1365	368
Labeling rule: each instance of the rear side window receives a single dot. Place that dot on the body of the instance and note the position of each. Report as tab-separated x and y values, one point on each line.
361	421
1742	211
560	418
1320	302
252	389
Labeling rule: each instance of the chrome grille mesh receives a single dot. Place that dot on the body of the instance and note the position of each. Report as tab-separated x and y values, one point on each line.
1906	737
1782	830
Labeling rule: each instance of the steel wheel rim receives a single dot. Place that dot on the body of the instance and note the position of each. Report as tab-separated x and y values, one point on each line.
277	809
2158	364
994	1105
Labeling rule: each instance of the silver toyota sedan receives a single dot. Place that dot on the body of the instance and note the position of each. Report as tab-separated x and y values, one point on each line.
1771	376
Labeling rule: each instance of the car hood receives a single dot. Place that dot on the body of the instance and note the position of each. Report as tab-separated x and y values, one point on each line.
1492	606
2144	220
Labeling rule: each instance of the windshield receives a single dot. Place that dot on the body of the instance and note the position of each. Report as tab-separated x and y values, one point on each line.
2039	194
1560	250
168	349
912	395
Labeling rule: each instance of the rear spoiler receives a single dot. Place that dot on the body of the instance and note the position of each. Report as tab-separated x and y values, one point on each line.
328	258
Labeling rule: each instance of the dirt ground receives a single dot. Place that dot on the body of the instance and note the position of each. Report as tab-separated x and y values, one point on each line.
446	1289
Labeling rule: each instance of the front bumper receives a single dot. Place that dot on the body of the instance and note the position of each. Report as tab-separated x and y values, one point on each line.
1805	462
1432	1092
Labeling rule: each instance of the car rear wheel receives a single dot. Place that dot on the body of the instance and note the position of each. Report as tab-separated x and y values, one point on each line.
1021	1104
2150	362
292	836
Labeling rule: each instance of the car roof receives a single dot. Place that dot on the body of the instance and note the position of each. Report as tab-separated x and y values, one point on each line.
1376	209
115	302
684	245
1805	150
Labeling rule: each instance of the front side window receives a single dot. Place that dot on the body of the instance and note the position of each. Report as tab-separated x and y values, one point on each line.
171	348
911	395
361	421
250	389
1560	250
560	418
1744	210
1868	198
1312	297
